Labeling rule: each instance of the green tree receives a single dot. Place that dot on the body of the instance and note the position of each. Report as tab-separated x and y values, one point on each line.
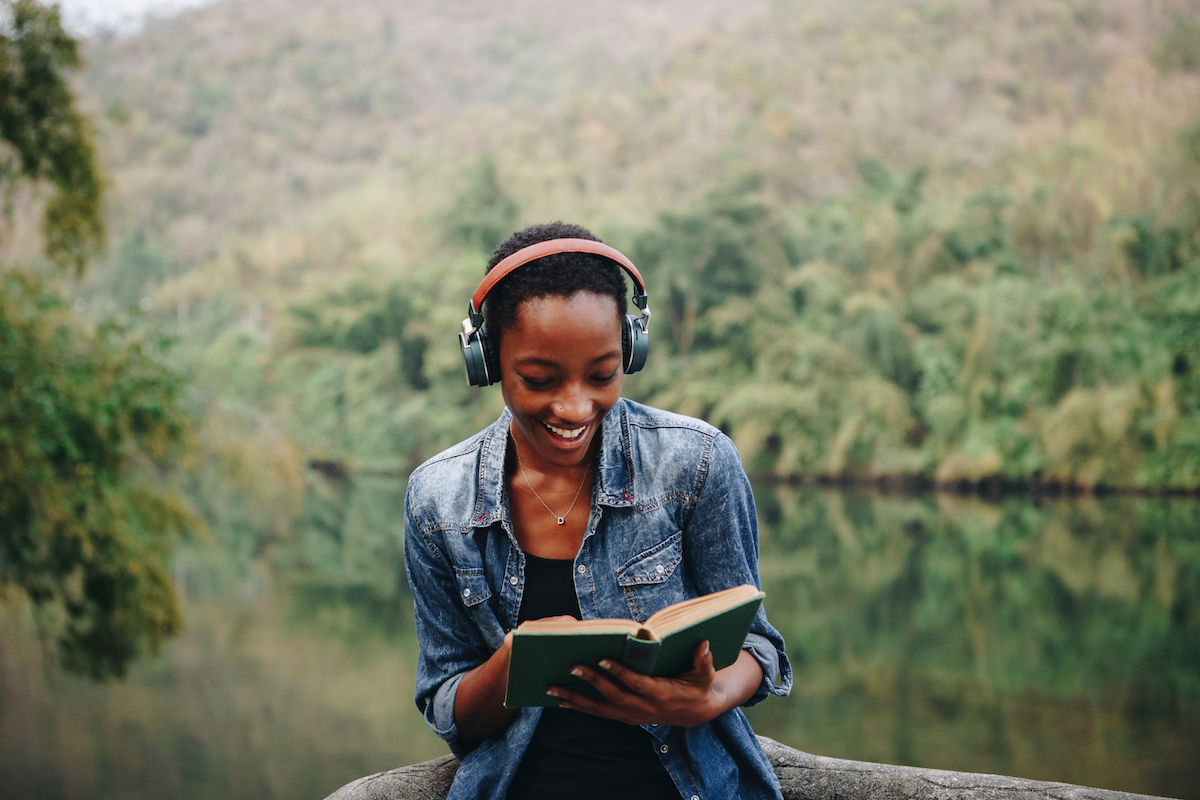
45	138
90	417
483	213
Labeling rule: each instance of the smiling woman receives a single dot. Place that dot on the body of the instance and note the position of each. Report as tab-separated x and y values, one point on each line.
496	533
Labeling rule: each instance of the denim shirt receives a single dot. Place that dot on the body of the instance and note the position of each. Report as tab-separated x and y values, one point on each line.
672	517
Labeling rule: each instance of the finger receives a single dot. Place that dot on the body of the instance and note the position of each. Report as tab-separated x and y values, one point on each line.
633	681
589	704
702	670
607	684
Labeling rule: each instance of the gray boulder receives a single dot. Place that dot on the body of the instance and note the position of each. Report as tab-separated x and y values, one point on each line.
803	777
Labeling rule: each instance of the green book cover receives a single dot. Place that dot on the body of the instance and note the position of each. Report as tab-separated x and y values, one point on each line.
543	657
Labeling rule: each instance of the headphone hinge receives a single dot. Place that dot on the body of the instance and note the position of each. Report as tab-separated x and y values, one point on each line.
474	316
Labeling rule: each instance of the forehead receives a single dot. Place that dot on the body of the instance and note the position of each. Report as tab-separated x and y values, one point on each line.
570	320
598	308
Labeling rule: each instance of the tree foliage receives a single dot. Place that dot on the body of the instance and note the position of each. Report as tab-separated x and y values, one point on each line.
906	339
83	535
90	416
47	139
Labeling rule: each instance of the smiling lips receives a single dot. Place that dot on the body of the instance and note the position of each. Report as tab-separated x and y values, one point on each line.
563	432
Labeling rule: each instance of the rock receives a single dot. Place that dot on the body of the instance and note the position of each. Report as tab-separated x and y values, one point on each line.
803	777
807	777
429	780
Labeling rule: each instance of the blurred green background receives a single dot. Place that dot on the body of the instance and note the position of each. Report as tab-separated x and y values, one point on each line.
944	255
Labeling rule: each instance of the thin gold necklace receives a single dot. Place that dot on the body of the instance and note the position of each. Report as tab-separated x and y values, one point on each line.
561	520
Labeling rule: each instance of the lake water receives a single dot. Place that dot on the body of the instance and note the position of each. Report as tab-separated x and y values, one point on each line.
1057	640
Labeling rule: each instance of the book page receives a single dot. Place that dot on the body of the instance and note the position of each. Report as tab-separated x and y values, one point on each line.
680	615
578	626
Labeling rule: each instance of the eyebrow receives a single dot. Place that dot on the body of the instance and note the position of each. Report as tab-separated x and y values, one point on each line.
534	361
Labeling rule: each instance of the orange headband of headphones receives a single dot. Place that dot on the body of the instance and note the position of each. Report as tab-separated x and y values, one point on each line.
549	248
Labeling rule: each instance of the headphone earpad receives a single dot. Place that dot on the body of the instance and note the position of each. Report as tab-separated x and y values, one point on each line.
482	359
491	355
635	345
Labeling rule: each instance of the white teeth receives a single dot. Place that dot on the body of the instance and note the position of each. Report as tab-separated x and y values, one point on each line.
566	434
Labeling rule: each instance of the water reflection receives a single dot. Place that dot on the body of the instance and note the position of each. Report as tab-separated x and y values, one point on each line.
1055	640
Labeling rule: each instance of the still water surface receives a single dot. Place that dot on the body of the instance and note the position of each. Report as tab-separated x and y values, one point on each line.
1057	640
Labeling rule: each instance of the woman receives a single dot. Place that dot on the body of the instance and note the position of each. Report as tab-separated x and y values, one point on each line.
579	502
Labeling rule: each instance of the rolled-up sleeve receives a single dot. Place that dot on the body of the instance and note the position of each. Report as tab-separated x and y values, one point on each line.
451	644
777	670
722	545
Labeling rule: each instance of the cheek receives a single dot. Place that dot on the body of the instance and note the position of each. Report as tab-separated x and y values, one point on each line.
522	407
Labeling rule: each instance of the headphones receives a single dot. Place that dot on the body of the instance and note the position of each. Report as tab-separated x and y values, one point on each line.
482	353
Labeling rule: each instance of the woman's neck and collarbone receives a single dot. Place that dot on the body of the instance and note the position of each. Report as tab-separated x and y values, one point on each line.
540	498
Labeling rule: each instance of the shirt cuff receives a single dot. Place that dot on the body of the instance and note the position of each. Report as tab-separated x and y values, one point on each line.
773	663
440	713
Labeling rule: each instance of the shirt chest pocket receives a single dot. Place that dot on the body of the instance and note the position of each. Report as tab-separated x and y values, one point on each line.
474	592
652	579
473	587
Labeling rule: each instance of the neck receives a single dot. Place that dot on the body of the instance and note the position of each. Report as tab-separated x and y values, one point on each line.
553	476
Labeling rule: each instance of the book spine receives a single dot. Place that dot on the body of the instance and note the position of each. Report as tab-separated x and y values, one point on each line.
640	655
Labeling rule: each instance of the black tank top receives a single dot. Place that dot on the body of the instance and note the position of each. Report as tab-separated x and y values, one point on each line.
575	755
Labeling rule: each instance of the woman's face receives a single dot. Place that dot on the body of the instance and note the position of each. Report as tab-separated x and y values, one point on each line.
561	371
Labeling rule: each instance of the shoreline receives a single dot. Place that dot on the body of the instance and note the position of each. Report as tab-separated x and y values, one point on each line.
991	488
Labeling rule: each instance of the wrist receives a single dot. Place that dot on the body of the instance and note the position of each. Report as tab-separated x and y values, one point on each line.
740	680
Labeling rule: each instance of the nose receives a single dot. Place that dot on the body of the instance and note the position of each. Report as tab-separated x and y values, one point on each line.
574	404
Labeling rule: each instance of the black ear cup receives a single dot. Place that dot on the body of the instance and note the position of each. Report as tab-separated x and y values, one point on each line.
635	343
482	358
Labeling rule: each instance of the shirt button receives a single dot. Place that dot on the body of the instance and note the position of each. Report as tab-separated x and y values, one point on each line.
695	797
663	749
513	580
466	592
581	569
659	569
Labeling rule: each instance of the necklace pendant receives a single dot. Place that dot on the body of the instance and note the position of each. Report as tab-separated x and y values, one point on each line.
561	520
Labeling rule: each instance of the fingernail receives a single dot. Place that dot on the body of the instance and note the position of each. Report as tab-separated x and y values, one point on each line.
552	693
606	664
705	649
577	672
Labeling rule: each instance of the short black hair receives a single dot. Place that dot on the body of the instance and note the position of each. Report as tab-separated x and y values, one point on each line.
558	275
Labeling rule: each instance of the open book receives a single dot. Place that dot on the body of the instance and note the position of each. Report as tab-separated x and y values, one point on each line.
544	651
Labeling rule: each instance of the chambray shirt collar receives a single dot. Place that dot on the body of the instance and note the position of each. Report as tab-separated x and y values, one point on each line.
489	494
615	484
615	478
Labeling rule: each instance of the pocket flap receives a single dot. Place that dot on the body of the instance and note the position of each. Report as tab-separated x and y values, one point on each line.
654	565
473	587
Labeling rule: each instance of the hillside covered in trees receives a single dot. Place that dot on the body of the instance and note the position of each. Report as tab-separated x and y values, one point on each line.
956	241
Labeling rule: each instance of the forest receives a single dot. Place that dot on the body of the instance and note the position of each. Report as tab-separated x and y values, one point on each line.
883	241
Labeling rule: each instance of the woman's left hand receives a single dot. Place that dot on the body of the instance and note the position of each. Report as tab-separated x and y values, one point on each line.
692	698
